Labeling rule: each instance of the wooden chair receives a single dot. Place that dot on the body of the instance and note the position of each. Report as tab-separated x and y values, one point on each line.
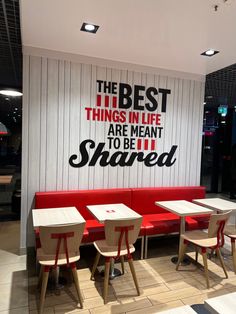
213	240
120	235
230	231
59	246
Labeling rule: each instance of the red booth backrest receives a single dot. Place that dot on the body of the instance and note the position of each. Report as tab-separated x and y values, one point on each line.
143	199
80	199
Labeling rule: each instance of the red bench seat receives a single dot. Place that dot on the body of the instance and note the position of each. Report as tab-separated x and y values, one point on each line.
156	220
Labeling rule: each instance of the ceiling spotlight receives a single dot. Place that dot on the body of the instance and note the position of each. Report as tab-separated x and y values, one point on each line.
9	92
90	28
209	52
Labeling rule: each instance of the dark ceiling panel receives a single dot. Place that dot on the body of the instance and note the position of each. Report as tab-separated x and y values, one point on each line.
221	87
10	44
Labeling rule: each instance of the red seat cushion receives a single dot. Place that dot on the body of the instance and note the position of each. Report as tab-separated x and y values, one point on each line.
81	198
197	222
161	223
142	231
156	220
93	231
143	199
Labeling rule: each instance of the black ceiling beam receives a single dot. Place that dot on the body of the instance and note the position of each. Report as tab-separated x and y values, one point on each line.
9	41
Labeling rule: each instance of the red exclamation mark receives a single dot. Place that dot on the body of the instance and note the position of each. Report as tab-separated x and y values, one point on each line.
99	100
106	101
153	145
146	144
114	102
139	144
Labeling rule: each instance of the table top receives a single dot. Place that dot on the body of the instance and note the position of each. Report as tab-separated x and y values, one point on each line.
180	310
184	208
222	304
56	216
216	204
112	211
4	179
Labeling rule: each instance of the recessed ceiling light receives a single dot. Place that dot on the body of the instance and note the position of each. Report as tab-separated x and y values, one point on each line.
90	28
8	92
209	52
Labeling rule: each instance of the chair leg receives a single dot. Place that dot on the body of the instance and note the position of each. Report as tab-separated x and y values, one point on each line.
106	279
221	261
122	264
204	257
182	251
43	288
233	253
131	266
40	276
196	255
76	280
95	264
146	247
142	247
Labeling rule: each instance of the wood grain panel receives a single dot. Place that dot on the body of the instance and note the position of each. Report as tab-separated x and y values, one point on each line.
56	93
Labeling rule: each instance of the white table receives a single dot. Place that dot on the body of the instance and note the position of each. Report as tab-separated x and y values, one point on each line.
112	211
5	179
217	204
183	209
186	309
56	216
224	304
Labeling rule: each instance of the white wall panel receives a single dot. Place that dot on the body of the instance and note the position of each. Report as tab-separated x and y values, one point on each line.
56	93
66	124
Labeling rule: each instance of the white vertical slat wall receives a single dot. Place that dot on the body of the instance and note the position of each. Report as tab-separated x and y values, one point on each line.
56	92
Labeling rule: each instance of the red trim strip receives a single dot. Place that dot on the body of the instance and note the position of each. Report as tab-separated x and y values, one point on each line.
124	230
61	236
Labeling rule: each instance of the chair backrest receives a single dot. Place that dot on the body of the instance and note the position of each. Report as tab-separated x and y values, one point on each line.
216	226
122	232
61	239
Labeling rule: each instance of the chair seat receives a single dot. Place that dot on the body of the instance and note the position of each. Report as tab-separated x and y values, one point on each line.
199	238
111	251
49	260
230	231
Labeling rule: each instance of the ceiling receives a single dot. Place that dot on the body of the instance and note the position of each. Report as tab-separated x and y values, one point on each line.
10	63
10	44
220	88
167	34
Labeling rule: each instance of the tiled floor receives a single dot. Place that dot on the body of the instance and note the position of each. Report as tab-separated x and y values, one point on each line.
13	273
161	286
